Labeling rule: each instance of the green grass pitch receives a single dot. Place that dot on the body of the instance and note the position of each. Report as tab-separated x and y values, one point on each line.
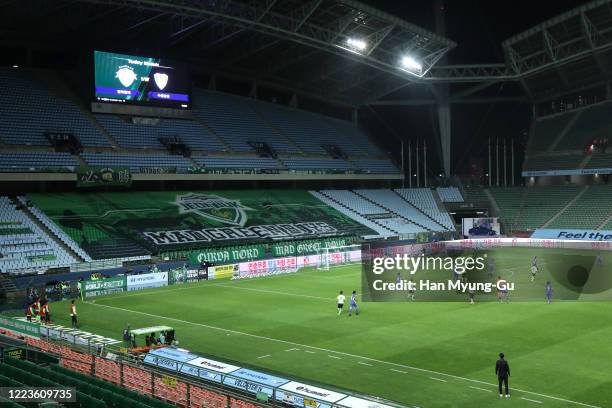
429	354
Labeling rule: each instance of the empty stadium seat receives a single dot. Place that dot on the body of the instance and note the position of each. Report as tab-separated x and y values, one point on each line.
449	194
40	161
24	246
28	110
139	136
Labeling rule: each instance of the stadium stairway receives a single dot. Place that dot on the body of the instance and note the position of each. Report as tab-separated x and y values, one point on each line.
226	146
371	223
390	211
7	285
568	205
493	202
58	87
606	223
439	205
277	130
26	210
565	130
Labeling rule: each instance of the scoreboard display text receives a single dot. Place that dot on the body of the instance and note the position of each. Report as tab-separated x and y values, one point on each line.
121	78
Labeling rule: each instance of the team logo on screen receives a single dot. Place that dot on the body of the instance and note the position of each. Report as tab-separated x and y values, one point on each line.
213	207
161	80
126	75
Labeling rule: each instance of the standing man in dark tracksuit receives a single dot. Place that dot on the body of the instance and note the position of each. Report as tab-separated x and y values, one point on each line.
502	369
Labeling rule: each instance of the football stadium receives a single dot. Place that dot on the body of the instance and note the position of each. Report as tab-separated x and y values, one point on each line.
305	203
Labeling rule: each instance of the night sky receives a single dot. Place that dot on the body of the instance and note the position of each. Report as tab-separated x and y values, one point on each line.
478	27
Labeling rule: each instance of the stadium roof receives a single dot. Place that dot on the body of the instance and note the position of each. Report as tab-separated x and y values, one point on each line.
342	51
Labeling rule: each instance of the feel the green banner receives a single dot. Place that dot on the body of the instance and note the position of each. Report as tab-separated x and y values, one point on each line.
96	176
227	255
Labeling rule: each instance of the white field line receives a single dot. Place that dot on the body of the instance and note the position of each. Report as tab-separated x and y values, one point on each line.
264	356
531	400
422	370
437	379
365	364
481	389
337	358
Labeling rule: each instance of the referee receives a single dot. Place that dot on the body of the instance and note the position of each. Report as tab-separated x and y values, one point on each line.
502	369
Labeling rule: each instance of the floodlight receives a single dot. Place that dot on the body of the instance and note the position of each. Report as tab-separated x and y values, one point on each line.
356	44
411	64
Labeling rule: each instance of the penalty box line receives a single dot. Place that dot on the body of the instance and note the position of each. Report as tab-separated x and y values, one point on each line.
423	370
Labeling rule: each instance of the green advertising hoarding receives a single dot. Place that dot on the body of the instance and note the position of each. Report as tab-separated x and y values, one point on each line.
227	255
30	329
116	282
308	247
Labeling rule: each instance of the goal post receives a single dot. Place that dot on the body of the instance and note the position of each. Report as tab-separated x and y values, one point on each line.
333	256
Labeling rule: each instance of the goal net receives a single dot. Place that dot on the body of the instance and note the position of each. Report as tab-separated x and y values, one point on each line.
330	257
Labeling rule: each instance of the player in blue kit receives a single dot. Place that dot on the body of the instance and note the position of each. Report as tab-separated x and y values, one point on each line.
353	304
549	292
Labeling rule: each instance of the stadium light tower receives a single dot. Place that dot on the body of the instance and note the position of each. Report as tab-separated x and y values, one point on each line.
410	64
355	45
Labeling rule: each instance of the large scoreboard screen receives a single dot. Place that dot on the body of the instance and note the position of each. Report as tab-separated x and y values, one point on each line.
121	78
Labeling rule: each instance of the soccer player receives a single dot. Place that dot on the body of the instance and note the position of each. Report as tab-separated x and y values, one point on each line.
502	370
499	292
491	269
340	299
549	292
353	304
599	260
534	267
73	314
411	291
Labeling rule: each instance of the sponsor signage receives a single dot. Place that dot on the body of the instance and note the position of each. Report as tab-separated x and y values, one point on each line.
209	369
147	279
254	382
169	357
103	284
268	266
20	326
576	172
222	271
573	234
302	395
